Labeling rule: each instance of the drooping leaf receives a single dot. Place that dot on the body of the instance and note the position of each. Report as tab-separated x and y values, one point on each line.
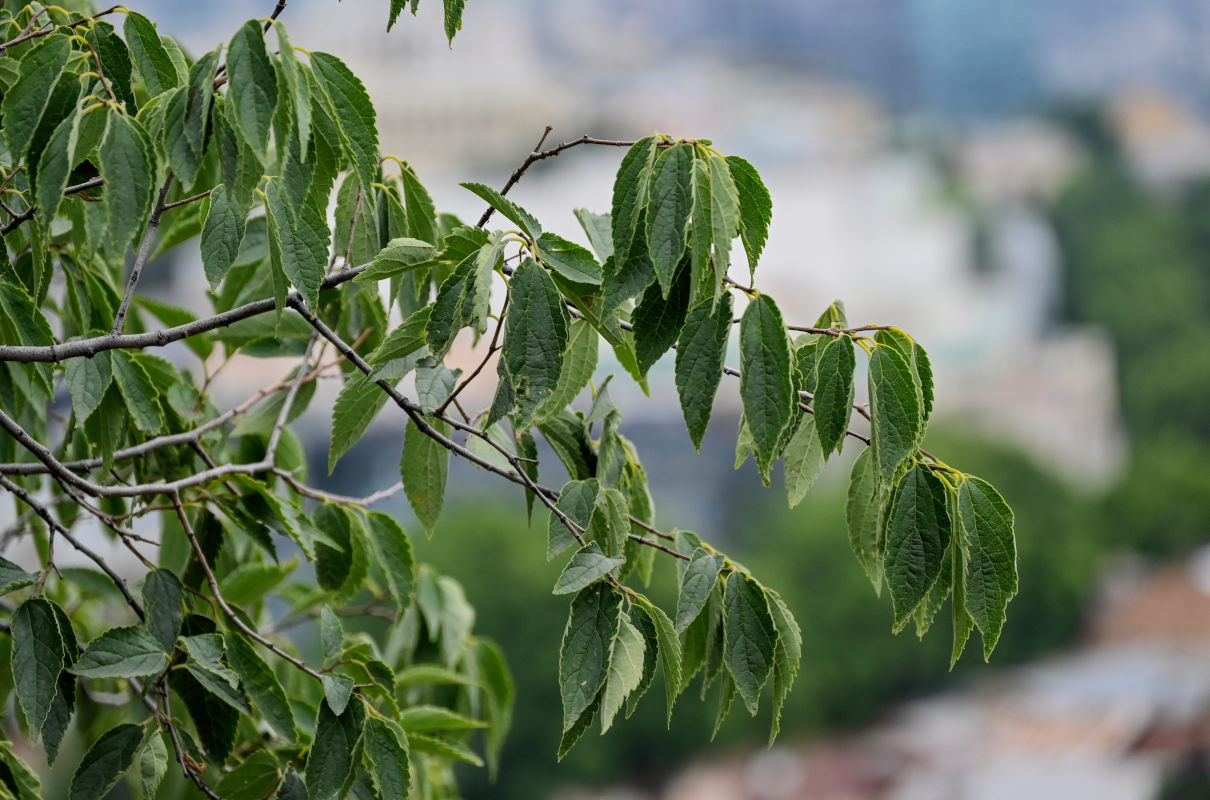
917	534
630	196
577	500
599	230
151	58
697	582
163	599
296	82
535	336
668	209
331	762
861	514
106	762
37	659
252	87
186	117
787	656
658	319
256	777
750	637
990	557
388	753
625	670
586	567
88	378
766	384
569	259
298	245
25	102
579	364
804	459
584	655
127	160
833	403
261	685
222	234
394	555
755	208
424	467
153	764
895	414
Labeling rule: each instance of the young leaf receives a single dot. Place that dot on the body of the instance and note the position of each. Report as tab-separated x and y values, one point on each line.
453	17
917	534
833	403
251	87
296	82
586	567
895	418
766	384
106	762
535	336
153	764
584	655
127	163
37	660
121	653
755	208
750	637
787	656
26	100
668	208
861	514
424	466
625	670
989	573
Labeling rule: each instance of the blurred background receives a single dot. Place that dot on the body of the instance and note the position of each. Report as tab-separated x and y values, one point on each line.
1025	187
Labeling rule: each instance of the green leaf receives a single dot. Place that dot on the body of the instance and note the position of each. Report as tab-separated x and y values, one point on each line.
388	753
577	499
358	403
254	779
443	748
584	655
337	691
222	234
766	384
394	556
668	209
37	660
54	167
630	195
164	599
724	216
333	564
670	652
962	622
535	337
804	460
750	637
989	574
428	718
186	117
833	403
153	764
586	567
862	517
251	88
298	245
500	694
895	414
569	259
599	230
699	363
127	163
917	534
579	364
354	115
409	337
697	581
331	761
787	656
138	391
755	208
296	82
420	212
424	467
519	216
106	762
625	670
251	581
453	17
576	731
150	56
12	577
88	378
658	319
129	652
399	256
261	685
26	101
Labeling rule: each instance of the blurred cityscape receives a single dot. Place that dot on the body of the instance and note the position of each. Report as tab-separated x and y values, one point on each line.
1021	185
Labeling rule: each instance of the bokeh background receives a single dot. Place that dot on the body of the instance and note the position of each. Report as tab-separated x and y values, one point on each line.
1025	187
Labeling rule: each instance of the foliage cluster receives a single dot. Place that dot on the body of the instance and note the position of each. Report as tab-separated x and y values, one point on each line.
122	141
